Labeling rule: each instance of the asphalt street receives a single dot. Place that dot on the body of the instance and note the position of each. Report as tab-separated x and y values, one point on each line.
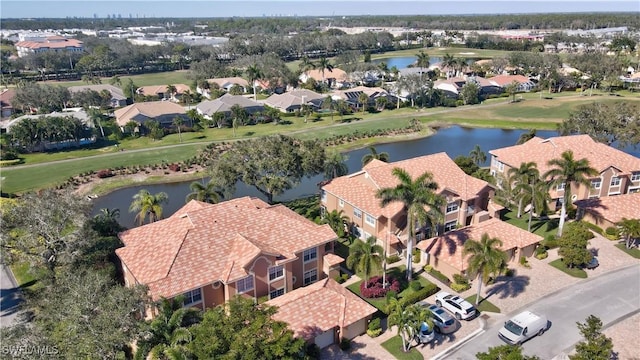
9	298
611	297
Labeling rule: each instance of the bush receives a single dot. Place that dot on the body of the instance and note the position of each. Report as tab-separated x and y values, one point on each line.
174	167
105	174
339	279
374	333
542	255
440	276
374	324
415	285
393	259
391	294
374	287
421	294
611	233
550	242
428	268
597	229
345	344
571	212
460	287
460	279
344	277
524	262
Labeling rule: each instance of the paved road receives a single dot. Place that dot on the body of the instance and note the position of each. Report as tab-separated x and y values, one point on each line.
611	297
9	298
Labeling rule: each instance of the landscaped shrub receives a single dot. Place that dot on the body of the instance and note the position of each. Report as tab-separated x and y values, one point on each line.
460	287
174	167
421	294
460	279
374	329
105	174
541	252
345	344
374	287
393	259
524	262
428	268
595	228
416	256
440	276
391	294
611	233
339	279
460	283
550	242
415	285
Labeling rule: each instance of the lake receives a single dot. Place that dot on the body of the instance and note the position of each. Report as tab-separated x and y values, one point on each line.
404	61
455	141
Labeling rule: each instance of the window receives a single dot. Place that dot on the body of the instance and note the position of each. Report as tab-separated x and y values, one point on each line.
500	166
324	196
310	276
615	181
450	225
245	284
560	186
596	183
310	254
357	213
452	207
341	203
370	220
276	272
635	176
192	297
275	293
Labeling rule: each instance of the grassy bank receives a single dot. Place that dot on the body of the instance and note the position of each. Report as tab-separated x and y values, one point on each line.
160	78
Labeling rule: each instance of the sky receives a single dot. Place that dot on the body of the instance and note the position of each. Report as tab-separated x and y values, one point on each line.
258	8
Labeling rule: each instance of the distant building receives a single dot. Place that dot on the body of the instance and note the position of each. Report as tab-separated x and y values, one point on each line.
6	96
51	43
117	96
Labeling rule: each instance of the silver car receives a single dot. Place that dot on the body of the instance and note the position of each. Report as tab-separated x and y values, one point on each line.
425	334
442	321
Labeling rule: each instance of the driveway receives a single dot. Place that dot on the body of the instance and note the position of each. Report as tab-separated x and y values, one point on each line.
9	298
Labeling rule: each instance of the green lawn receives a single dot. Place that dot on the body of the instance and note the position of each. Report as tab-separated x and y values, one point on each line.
161	78
539	227
635	252
25	278
484	305
575	272
394	346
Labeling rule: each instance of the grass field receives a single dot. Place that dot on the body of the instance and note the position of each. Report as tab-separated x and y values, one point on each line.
575	272
539	227
439	52
162	78
634	251
394	346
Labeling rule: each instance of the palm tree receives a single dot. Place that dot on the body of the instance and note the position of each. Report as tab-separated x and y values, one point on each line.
342	107
171	90
95	116
115	80
363	99
324	64
477	155
522	176
384	69
422	62
147	204
512	90
336	220
335	166
536	193
449	62
416	196
327	103
177	122
565	172
486	259
406	319
381	103
524	137
239	115
365	257
306	64
629	230
373	154
208	193
166	335
254	74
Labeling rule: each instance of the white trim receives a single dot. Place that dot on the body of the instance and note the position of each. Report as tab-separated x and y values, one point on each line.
304	277
453	203
278	289
357	211
275	267
189	295
636	175
341	202
253	284
315	257
367	220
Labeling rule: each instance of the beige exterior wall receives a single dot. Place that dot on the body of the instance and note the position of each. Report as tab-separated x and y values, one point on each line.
355	329
446	269
597	220
213	295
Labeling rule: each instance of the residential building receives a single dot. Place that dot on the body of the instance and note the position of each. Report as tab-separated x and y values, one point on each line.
334	78
453	86
161	92
294	99
224	103
117	96
355	195
607	211
352	96
225	84
323	312
618	172
6	97
445	253
524	83
212	252
163	112
51	43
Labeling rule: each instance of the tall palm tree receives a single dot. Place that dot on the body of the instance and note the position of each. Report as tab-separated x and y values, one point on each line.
335	166
450	62
147	204
422	60
342	107
306	64
486	259
336	220
629	230
324	65
363	99
171	90
374	154
327	103
524	137
568	171
254	74
406	319
477	155
365	257
239	114
417	196
384	69
536	193
208	193
177	122
522	175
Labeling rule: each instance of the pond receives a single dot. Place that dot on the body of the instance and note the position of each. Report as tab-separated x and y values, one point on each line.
404	61
454	141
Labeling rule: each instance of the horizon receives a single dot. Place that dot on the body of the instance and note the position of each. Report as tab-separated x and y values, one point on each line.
141	9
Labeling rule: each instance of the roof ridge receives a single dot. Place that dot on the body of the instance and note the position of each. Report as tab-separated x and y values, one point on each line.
175	256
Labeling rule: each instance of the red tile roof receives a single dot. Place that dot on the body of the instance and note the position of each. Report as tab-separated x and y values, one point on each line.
613	208
51	42
448	247
324	305
202	243
504	80
162	89
540	151
359	189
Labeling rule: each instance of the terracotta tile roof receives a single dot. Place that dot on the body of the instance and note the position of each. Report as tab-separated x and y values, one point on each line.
503	80
151	109
336	73
540	151
613	208
324	305
6	96
359	189
51	43
448	247
203	243
222	82
161	89
332	259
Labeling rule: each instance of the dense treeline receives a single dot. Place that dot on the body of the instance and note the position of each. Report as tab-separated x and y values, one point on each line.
269	25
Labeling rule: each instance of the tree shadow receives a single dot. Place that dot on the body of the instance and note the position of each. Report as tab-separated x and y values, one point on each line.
508	286
249	133
10	299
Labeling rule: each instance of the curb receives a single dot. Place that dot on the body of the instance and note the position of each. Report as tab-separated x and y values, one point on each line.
455	346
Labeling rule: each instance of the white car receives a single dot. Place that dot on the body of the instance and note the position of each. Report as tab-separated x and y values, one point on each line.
458	306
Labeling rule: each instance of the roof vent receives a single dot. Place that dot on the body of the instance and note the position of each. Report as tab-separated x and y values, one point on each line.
184	216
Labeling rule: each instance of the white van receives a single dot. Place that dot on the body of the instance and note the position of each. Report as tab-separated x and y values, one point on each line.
523	327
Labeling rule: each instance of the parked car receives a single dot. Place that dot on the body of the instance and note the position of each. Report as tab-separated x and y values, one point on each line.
522	327
458	306
592	264
442	321
425	334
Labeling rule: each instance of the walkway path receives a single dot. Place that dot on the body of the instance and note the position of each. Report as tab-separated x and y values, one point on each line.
9	297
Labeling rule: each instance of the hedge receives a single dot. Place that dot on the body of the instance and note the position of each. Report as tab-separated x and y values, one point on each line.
421	294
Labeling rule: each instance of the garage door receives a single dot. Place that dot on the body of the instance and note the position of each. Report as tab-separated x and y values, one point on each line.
325	339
